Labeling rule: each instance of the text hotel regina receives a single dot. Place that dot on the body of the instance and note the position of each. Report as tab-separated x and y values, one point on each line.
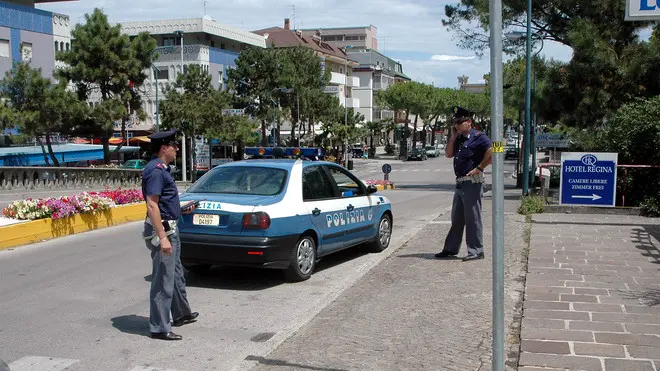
212	45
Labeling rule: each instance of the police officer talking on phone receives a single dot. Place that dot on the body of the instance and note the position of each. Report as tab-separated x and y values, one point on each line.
472	152
168	285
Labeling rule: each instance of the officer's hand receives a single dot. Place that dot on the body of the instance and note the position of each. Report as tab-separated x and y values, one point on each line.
474	172
189	209
166	246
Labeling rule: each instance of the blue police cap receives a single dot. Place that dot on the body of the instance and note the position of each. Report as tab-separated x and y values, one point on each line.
460	113
163	137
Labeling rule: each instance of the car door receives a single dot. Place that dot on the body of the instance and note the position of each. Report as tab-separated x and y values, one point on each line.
326	210
358	210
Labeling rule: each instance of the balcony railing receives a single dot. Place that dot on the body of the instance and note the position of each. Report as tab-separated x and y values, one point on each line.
337	78
67	177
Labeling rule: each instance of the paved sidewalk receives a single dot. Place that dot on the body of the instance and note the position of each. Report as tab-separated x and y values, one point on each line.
415	312
592	298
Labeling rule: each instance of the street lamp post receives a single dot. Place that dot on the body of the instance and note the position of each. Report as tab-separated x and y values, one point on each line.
535	110
184	159
528	96
156	70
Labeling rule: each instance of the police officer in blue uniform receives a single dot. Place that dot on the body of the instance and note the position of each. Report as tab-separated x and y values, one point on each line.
472	152
168	285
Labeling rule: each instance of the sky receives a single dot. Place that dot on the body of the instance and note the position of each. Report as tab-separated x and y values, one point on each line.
409	31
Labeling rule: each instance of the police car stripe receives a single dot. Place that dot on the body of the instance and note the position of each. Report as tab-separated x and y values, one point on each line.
36	363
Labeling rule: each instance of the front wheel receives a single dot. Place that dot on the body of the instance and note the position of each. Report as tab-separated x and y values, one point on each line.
384	235
302	260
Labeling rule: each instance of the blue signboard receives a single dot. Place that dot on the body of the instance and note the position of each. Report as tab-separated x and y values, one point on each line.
588	179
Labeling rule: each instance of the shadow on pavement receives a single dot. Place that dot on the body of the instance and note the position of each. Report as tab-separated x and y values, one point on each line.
132	324
428	256
282	363
650	297
255	279
644	236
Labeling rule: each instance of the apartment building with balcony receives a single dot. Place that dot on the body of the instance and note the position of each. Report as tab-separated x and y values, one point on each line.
376	72
342	37
31	35
342	80
212	45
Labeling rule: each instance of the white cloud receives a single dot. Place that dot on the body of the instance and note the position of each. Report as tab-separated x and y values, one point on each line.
444	57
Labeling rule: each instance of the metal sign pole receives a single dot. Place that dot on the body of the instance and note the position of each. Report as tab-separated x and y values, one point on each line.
497	115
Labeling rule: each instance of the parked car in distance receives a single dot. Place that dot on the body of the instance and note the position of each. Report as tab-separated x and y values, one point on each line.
134	164
432	151
418	154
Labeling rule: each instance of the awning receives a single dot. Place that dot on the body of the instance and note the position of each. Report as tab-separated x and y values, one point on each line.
144	139
115	140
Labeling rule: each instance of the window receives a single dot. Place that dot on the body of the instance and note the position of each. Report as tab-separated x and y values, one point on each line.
246	180
316	184
67	46
26	52
4	48
349	186
55	45
168	41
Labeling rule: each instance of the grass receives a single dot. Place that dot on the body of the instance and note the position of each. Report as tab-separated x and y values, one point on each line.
531	204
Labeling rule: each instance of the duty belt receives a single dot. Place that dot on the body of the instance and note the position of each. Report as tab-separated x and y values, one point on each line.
479	178
155	240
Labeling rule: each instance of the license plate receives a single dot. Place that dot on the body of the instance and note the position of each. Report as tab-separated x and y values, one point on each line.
206	219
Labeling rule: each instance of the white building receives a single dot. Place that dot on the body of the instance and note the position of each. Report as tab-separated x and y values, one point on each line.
206	42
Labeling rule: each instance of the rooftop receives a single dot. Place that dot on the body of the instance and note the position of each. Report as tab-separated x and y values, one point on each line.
204	24
282	37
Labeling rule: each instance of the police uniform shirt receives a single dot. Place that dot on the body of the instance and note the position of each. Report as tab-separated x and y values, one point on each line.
469	151
157	180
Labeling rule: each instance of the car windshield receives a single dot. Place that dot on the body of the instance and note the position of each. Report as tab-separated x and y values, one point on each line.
247	180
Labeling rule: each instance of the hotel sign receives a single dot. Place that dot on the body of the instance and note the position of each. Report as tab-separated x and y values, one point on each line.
642	10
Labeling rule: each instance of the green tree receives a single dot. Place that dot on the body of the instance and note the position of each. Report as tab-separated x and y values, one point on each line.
102	65
193	106
38	108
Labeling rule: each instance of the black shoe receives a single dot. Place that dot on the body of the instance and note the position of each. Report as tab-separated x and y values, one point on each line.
445	254
473	257
165	336
185	319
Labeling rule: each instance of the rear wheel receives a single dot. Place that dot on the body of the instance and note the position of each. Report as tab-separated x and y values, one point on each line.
303	259
384	235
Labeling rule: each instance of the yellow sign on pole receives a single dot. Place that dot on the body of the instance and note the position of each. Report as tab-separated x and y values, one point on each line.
498	147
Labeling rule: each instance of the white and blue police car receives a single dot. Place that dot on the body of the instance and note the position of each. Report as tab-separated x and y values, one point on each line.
281	214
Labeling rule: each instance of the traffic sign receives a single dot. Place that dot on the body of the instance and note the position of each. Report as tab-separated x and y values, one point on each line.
554	140
588	179
387	168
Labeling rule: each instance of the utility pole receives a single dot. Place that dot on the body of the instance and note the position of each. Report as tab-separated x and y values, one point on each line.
497	114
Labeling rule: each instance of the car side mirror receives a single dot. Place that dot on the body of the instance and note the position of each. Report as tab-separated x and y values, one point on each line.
372	189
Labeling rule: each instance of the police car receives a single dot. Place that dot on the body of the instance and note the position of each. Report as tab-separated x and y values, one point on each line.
281	214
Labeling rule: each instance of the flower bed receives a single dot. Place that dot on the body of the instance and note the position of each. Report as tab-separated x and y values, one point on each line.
62	207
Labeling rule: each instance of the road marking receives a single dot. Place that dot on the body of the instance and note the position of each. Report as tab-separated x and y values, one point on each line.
143	368
440	222
35	363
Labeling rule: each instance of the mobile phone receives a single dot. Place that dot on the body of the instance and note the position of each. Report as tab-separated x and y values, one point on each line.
188	204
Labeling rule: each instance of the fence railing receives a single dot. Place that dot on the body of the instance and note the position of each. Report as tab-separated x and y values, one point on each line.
545	183
66	177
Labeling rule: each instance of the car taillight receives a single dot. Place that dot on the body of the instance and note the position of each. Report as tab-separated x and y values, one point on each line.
259	220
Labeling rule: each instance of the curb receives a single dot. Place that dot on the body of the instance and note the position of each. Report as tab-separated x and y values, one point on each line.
382	187
47	229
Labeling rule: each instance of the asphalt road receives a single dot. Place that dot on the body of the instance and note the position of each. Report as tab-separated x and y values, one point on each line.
81	302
